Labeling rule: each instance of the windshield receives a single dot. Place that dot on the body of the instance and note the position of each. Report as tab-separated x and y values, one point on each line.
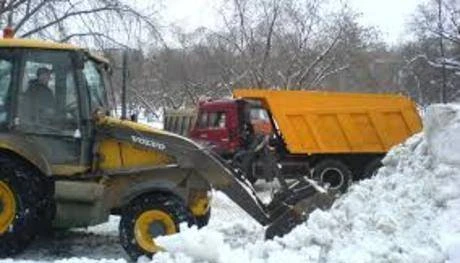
48	97
96	86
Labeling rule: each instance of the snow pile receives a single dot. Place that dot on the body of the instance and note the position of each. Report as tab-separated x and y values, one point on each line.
444	142
408	213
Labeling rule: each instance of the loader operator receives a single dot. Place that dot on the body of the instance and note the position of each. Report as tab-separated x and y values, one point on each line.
39	99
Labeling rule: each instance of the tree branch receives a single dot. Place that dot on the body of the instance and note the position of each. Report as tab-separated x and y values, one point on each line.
319	58
66	16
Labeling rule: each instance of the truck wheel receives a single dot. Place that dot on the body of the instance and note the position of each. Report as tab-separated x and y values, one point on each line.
372	168
22	202
333	172
203	220
148	217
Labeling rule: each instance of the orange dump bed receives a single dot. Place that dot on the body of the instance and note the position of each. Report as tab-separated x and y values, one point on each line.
313	122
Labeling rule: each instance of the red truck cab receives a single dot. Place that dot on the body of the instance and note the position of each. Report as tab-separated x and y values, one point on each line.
222	123
217	125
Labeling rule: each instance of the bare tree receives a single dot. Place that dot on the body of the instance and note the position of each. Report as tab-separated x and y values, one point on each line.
432	61
285	44
96	22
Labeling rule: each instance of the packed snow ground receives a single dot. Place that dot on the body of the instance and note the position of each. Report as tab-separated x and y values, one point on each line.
408	213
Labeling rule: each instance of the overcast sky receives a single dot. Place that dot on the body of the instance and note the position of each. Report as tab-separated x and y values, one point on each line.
390	16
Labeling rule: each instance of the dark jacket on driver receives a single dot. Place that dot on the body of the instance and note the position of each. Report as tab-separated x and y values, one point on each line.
39	102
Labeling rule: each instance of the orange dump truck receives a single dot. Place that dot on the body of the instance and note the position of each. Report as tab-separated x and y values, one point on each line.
338	123
333	137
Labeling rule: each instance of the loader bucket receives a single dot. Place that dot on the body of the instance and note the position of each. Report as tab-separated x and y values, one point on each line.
289	208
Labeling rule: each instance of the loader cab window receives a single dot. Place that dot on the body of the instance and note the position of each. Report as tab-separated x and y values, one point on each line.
48	98
6	69
30	75
95	85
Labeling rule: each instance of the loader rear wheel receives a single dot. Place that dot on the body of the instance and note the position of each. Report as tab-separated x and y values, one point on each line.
148	217
334	173
7	207
23	199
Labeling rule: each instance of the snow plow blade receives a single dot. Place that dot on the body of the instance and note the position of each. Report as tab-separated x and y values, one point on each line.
297	213
289	207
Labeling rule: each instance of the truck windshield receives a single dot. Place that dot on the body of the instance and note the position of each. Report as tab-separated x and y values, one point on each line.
96	86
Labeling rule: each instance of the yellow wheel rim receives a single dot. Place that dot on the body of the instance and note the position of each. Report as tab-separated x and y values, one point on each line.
151	224
7	207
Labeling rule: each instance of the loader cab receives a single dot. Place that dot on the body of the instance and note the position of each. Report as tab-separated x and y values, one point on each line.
49	93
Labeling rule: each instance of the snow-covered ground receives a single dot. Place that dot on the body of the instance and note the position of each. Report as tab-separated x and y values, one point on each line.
408	213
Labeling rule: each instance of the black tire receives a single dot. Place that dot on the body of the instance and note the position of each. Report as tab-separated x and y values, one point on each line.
371	168
32	202
202	221
167	204
333	172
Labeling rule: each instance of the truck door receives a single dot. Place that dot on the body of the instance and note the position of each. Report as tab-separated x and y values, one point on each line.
213	128
218	131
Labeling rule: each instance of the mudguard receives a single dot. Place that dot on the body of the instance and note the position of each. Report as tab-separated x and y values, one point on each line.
20	146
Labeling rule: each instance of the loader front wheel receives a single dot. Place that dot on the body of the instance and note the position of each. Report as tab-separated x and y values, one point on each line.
23	198
148	217
334	173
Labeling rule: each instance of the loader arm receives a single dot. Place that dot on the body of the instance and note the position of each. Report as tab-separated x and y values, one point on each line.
283	213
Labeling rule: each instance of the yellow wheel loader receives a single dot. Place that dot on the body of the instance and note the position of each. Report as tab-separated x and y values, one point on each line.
67	161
